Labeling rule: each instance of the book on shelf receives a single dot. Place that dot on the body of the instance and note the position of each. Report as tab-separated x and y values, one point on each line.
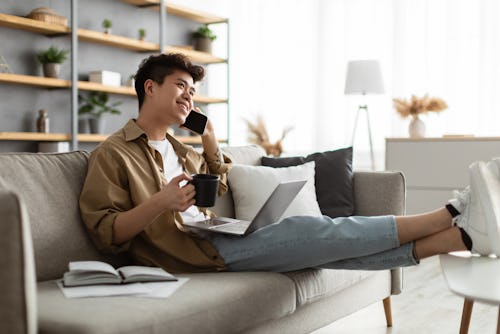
96	272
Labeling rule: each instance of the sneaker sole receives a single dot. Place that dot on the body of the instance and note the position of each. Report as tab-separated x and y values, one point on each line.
486	183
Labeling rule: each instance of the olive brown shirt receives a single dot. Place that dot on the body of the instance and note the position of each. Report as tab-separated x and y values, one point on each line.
125	171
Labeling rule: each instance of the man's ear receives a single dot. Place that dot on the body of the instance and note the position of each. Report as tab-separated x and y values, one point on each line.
149	87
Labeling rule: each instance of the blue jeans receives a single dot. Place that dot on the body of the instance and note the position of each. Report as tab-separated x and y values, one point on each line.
367	243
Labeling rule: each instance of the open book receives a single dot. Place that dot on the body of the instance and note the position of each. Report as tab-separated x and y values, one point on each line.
96	272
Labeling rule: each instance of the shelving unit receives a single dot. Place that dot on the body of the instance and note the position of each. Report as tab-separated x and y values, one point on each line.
90	36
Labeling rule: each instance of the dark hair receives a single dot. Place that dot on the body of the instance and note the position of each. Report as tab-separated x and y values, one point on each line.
157	67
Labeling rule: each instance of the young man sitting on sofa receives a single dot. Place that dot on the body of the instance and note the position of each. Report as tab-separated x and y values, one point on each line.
136	197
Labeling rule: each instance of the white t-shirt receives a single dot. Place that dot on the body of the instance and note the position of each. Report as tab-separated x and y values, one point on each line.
172	167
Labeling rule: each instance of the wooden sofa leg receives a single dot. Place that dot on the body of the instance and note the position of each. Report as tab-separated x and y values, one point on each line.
387	310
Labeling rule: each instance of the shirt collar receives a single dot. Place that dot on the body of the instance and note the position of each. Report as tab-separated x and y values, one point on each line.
132	131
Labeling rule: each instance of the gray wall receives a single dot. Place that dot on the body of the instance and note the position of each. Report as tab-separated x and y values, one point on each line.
19	104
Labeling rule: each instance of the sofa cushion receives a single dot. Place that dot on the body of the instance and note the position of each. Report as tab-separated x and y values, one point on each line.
249	155
252	185
207	303
334	179
50	186
315	284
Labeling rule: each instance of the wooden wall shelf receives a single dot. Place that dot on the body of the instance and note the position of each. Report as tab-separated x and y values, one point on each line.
93	86
116	41
82	137
180	11
36	136
39	27
36	81
196	56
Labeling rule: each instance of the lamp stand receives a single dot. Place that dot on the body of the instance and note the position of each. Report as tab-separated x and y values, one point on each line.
365	108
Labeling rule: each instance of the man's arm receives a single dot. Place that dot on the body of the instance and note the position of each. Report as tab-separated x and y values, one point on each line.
174	197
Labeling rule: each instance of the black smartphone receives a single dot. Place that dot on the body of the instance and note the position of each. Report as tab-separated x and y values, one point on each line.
196	122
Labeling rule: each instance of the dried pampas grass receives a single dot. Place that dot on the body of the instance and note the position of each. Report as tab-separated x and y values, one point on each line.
418	105
258	135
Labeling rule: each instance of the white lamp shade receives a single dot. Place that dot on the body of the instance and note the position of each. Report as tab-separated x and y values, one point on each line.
363	77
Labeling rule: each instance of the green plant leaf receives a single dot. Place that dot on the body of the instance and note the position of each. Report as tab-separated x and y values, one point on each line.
96	104
204	31
52	55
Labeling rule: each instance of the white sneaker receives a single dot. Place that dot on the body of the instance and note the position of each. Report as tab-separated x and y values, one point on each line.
487	191
461	199
460	202
473	222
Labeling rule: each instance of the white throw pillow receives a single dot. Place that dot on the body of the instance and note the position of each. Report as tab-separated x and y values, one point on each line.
252	185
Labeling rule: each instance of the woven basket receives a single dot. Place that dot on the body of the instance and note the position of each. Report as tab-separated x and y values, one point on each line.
47	15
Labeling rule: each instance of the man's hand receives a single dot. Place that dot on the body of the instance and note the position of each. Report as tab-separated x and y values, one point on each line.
173	196
177	197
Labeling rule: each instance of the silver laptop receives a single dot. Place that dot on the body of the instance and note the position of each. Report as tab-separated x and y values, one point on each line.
269	213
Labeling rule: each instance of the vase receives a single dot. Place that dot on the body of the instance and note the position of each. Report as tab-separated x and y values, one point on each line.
97	125
416	128
51	70
203	44
83	125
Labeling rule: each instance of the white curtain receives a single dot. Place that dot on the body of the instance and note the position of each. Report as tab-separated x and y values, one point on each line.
288	63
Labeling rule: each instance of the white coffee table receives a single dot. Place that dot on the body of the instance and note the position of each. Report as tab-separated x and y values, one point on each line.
475	279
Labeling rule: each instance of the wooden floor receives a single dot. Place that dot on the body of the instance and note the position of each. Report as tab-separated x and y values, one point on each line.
425	306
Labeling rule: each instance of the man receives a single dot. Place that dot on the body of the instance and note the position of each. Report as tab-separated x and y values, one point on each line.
135	199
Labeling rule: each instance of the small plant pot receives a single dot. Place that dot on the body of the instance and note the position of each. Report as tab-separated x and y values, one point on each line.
97	125
107	31
83	125
51	70
203	44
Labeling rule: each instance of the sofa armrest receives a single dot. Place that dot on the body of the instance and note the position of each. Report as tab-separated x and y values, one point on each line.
381	193
17	274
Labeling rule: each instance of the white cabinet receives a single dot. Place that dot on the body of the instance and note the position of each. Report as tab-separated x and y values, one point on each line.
434	167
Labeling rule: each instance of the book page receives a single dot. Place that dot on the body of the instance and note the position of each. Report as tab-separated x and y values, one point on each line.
143	273
79	266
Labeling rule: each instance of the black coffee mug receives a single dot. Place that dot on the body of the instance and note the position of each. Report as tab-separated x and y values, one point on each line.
206	187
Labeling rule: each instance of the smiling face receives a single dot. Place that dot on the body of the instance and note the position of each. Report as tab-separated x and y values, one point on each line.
171	101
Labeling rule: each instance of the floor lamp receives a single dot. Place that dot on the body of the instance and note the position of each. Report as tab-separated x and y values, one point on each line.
364	77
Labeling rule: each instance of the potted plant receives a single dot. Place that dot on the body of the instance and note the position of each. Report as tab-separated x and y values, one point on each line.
415	107
94	107
51	60
203	38
107	24
142	34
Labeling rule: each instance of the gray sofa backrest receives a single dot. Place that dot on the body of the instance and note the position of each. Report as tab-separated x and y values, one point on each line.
50	186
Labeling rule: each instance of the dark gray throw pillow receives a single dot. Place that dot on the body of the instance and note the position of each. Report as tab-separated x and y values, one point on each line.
334	189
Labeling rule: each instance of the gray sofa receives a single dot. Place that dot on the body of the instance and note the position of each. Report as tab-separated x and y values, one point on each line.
41	231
